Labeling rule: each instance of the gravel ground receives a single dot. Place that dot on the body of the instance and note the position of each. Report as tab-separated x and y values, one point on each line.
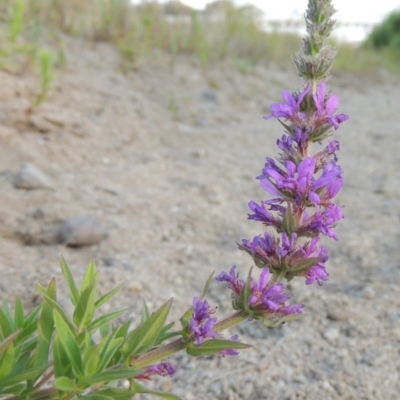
161	163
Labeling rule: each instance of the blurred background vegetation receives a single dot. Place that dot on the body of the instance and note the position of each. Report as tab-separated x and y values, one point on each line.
33	32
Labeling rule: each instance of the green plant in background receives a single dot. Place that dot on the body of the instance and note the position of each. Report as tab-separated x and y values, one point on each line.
11	45
199	43
387	33
45	61
173	107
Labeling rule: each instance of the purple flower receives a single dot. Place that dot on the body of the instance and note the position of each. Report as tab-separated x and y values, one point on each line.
289	109
286	253
162	369
322	221
328	154
298	184
232	281
265	216
326	107
269	299
329	183
201	325
316	274
294	183
230	352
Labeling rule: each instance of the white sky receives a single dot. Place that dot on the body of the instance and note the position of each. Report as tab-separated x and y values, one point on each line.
348	10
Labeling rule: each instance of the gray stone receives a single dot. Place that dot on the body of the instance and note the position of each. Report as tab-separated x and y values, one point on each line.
81	230
31	177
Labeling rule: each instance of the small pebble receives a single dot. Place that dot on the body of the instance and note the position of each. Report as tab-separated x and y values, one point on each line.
81	230
31	177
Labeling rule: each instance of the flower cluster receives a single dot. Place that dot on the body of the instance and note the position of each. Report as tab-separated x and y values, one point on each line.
201	324
299	182
263	299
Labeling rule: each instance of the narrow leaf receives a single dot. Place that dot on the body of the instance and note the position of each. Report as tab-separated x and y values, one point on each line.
114	375
73	290
105	319
26	375
84	311
7	341
66	384
69	344
145	335
90	276
7	361
305	265
214	346
207	285
55	306
107	296
138	388
19	317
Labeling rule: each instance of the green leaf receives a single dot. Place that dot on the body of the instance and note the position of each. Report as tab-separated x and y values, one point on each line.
288	222
123	330
305	265
105	319
214	346
33	315
15	389
28	330
8	341
145	335
246	292
69	344
90	277
107	296
101	397
91	360
6	326
45	328
111	346
21	377
207	285
73	290
84	311
66	384
138	388
146	312
110	394
19	314
55	306
114	375
7	361
62	364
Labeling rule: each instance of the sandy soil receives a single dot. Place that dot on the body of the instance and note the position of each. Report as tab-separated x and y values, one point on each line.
165	160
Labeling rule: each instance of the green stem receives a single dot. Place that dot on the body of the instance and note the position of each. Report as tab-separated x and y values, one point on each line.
157	354
231	321
163	352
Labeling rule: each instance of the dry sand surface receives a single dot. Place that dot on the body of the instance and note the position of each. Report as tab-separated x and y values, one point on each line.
165	161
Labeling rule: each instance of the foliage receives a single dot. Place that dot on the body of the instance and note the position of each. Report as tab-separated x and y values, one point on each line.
387	33
85	354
